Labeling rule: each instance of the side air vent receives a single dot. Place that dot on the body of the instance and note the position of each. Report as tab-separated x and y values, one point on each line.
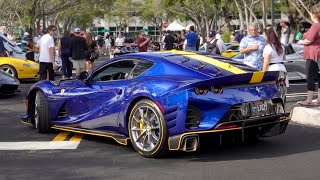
63	112
193	117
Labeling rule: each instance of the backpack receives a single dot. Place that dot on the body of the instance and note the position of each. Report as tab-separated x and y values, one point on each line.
213	48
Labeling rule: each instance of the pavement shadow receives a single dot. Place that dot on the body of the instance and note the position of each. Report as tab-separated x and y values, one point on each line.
297	139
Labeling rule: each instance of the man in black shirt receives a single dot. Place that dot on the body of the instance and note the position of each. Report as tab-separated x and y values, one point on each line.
169	40
78	47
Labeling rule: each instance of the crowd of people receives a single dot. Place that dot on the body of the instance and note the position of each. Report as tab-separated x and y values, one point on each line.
261	51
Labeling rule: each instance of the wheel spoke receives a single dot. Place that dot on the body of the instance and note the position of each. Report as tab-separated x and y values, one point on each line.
155	128
138	120
155	137
147	113
137	129
152	118
140	136
150	141
145	142
141	113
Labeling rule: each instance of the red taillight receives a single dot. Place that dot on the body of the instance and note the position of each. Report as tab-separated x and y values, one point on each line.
226	127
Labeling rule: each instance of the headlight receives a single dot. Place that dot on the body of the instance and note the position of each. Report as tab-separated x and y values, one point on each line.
201	90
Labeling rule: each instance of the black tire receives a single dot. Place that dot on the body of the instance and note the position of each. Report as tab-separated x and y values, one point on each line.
152	126
41	114
9	70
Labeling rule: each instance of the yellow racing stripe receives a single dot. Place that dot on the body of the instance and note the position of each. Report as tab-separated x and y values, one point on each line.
77	137
217	63
257	77
61	136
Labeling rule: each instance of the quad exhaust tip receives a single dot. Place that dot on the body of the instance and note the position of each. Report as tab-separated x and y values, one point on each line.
190	143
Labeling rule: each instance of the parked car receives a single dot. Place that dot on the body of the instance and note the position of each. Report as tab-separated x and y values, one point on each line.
294	63
162	101
232	50
8	84
19	68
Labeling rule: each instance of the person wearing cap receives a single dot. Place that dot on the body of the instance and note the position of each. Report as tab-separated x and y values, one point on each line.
252	48
46	54
78	47
214	45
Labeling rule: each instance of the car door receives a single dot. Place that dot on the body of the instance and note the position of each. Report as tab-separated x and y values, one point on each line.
97	104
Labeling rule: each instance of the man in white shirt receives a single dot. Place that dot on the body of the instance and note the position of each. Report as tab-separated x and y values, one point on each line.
46	54
119	40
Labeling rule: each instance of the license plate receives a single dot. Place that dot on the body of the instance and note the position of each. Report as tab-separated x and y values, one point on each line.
260	108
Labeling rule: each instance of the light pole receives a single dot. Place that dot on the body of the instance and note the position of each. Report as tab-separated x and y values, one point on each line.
272	13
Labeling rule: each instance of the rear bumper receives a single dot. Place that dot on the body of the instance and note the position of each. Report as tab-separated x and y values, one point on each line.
266	126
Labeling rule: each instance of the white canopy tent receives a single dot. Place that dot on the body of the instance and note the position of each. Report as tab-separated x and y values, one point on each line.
175	26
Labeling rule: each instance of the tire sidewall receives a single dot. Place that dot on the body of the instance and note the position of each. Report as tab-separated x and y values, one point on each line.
163	144
44	124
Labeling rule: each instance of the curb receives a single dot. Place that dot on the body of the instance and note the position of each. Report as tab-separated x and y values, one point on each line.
308	116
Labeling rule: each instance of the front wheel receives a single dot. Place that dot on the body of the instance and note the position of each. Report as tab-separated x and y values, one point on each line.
41	114
147	129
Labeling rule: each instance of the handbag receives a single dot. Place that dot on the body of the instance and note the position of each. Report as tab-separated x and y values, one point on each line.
94	55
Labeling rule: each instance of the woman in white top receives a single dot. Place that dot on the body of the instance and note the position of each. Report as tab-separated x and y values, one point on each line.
107	42
274	54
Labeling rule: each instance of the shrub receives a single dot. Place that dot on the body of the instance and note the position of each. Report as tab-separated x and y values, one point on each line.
226	36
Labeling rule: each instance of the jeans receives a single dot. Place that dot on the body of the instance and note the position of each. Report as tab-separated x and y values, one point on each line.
46	68
188	48
66	66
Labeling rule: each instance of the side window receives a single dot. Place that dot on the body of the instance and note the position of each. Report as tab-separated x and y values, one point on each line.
115	71
140	68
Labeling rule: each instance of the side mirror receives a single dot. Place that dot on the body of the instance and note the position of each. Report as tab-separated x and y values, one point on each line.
83	76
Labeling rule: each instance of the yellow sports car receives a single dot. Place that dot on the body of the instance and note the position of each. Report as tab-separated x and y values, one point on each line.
19	68
232	50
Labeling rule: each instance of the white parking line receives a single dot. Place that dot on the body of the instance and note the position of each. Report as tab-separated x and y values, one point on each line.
39	145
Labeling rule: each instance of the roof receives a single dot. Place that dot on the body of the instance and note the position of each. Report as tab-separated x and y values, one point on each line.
203	63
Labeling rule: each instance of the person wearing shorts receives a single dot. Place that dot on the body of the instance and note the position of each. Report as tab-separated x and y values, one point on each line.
78	47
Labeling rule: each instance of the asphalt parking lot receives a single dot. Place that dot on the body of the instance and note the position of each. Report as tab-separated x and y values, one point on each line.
294	155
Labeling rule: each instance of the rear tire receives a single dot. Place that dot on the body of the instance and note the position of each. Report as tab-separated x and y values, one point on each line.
41	114
148	129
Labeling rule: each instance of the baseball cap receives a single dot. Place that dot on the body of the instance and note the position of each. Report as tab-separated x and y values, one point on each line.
26	34
212	33
77	30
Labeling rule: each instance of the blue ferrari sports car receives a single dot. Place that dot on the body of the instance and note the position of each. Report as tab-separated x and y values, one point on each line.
163	101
